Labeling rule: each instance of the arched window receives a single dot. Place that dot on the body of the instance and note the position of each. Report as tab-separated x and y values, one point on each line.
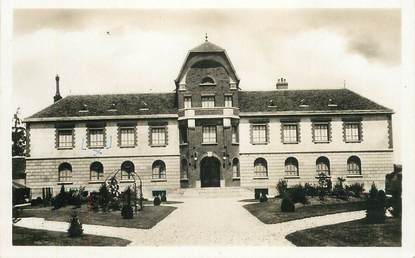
96	171
126	168
235	168
65	172
184	169
323	166
207	81
354	166
261	167
291	167
159	170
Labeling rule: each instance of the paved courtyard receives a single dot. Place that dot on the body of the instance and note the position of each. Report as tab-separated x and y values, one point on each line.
205	222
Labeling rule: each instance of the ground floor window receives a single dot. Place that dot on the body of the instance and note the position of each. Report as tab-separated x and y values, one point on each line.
291	167
159	170
260	167
235	168
96	170
65	172
127	167
323	166
354	166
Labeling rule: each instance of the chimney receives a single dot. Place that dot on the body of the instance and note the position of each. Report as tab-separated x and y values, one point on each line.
57	95
282	84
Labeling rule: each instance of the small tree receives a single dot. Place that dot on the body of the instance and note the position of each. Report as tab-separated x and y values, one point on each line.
127	210
18	136
376	205
75	228
325	185
282	186
104	196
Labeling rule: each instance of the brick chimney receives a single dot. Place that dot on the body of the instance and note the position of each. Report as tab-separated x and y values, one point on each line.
57	94
282	84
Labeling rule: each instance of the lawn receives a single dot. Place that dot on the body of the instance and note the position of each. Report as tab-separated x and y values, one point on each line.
352	233
145	219
270	212
26	236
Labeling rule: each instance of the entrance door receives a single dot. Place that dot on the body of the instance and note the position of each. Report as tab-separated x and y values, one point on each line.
210	172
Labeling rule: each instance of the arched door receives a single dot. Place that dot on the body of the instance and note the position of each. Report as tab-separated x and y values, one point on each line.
210	172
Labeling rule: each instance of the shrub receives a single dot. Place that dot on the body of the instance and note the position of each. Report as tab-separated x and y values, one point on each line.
376	203
36	201
104	197
127	212
75	227
297	194
95	201
339	190
287	205
157	201
356	188
282	187
325	185
163	197
115	204
263	198
310	190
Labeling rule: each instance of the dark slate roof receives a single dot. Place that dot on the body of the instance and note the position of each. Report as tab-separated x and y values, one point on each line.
99	105
207	47
317	100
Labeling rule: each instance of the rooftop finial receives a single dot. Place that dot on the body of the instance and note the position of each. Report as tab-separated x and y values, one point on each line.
206	37
57	94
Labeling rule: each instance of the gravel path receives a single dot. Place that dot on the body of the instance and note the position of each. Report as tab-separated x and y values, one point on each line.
205	222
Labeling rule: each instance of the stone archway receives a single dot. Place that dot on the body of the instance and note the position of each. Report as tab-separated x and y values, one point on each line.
210	172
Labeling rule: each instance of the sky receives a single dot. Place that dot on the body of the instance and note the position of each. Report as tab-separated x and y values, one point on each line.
141	50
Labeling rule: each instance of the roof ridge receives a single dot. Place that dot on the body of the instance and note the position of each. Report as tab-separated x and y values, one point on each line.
114	94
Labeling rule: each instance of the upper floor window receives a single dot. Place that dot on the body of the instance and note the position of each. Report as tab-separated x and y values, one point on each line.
184	169
96	137
321	132
158	136
259	133
208	101
352	132
127	137
207	81
159	170
261	167
209	134
65	139
228	101
235	168
235	134
183	134
290	133
354	166
187	102
65	172
323	166
291	167
127	167
96	170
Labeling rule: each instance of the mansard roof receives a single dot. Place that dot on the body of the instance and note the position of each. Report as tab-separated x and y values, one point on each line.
111	105
151	104
306	100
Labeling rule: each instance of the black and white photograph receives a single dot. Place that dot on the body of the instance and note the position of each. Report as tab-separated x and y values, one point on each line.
210	127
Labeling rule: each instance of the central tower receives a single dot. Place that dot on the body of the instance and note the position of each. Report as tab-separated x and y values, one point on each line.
208	109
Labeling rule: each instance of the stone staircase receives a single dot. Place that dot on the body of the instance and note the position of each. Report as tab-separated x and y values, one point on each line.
212	192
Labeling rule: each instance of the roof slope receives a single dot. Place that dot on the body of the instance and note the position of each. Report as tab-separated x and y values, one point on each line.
100	105
317	100
207	47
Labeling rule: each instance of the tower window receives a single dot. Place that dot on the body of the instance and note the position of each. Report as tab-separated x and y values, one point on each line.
208	101
207	81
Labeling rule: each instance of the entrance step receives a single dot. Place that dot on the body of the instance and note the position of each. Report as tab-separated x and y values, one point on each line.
212	192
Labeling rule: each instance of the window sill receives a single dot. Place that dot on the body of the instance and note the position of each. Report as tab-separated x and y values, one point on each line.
161	145
96	182
353	141
321	142
235	143
127	181
132	146
259	143
184	179
209	143
292	177
236	178
65	148
159	180
260	177
95	147
184	144
65	183
290	142
325	177
354	176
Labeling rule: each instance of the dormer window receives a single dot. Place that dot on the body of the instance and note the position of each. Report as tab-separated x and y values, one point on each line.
303	104
271	103
207	81
143	106
331	103
84	108
113	107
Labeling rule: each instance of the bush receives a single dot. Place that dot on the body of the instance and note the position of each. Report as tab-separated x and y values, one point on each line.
95	201
376	205
339	190
263	198
287	205
297	194
104	197
115	204
356	188
163	197
37	201
282	187
127	212
75	228
310	190
157	201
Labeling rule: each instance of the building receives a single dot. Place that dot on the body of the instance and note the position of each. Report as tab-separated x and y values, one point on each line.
209	133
